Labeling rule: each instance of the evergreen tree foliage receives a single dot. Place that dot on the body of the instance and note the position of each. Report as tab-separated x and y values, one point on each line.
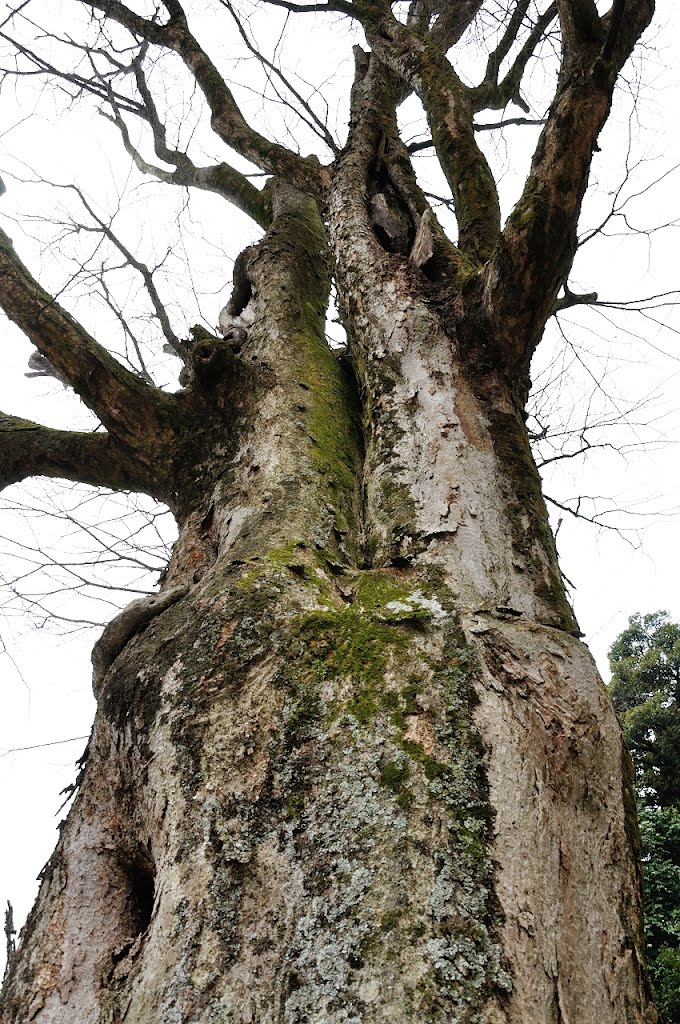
660	832
645	687
645	664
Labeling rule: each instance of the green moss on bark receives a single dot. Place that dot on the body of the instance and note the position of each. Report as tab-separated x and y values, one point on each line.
320	394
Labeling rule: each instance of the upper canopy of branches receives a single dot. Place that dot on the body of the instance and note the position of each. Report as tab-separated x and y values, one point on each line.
116	62
458	60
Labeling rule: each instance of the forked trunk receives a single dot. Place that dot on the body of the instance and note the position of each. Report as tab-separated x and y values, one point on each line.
361	769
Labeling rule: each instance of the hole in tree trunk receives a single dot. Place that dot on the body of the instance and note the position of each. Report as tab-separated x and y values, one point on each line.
141	878
401	562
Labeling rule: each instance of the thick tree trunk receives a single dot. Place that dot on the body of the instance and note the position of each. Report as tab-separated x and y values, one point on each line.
361	768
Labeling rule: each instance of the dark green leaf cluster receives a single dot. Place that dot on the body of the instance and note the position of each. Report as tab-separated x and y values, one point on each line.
645	691
660	832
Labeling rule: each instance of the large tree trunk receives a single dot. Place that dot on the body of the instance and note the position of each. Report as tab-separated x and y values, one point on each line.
358	766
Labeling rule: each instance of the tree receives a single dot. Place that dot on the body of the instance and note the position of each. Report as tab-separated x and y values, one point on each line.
352	763
645	663
660	832
645	686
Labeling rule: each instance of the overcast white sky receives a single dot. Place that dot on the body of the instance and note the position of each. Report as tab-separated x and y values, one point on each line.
45	677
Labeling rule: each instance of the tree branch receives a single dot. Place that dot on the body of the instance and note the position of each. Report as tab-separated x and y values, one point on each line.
449	109
508	90
492	95
521	287
482	126
333	7
570	299
621	27
581	25
220	178
614	18
497	56
226	120
312	120
451	21
30	449
96	88
123	402
176	345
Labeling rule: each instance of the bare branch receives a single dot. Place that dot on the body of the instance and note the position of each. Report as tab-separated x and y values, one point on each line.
597	518
417	147
226	118
123	402
334	7
570	299
147	276
220	178
29	449
42	67
614	18
508	89
449	108
497	56
492	95
451	21
546	216
312	120
581	25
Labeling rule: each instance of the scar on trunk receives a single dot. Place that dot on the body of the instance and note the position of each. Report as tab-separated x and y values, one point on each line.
124	626
237	317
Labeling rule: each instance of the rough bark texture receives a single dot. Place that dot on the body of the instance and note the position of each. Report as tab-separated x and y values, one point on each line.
355	765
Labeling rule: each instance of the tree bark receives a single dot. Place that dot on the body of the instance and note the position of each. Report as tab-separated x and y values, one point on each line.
360	766
353	763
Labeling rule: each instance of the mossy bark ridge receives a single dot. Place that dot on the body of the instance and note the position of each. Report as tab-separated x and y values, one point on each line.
356	765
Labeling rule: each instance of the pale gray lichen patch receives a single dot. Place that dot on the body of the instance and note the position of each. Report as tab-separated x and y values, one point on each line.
346	832
416	602
344	829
